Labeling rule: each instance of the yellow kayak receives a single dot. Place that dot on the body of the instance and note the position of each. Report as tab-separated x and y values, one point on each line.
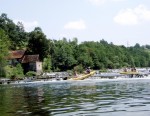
82	77
129	73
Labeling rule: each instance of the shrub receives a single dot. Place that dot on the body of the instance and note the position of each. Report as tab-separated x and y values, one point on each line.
30	73
79	68
70	72
2	72
9	71
19	71
103	70
14	72
47	64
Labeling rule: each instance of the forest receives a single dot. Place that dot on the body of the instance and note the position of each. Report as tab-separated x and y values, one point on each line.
67	54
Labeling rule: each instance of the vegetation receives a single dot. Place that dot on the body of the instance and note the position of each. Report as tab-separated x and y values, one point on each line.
65	54
14	72
38	44
47	64
4	45
30	73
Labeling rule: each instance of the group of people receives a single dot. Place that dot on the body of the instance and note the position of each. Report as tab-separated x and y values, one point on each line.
132	69
88	70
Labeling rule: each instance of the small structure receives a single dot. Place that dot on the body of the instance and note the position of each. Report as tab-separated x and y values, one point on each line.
15	57
32	63
28	62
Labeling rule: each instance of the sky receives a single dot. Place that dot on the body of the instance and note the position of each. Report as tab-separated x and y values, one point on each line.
122	22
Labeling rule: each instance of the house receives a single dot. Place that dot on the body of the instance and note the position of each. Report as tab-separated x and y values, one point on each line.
15	57
28	62
31	63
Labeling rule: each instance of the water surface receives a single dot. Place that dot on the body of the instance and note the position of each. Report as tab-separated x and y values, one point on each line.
76	98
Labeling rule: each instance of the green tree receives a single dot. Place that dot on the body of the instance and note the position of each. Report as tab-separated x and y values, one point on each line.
4	45
84	55
63	55
14	72
47	64
19	71
17	36
38	43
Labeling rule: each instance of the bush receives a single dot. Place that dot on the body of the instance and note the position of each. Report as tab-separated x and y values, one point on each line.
19	71
79	68
2	72
30	73
47	64
14	72
70	72
103	70
9	71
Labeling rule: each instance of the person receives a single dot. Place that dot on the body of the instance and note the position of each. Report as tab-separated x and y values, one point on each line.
75	74
133	69
88	70
125	69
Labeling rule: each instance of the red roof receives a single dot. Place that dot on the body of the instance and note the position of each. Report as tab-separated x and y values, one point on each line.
16	54
30	58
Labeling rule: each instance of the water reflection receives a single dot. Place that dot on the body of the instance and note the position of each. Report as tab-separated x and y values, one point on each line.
110	98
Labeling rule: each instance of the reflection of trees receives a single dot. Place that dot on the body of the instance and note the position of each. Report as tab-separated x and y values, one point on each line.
34	98
43	100
63	98
10	100
22	100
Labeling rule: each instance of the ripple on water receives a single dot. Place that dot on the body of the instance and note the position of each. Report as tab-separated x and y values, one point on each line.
85	98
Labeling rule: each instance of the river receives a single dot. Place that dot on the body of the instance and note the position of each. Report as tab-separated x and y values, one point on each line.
77	98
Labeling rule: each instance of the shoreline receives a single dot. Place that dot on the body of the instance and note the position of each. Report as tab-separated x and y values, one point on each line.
85	80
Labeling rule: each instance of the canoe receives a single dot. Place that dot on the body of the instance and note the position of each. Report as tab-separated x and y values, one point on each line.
82	77
129	73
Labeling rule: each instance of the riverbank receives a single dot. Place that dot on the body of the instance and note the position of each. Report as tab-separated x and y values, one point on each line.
64	76
91	79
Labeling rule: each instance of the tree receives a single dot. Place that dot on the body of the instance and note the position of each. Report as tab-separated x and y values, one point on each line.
38	43
63	55
104	42
84	55
17	35
137	45
22	36
47	64
4	45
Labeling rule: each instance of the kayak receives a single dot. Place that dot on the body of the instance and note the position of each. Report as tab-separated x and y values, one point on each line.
82	77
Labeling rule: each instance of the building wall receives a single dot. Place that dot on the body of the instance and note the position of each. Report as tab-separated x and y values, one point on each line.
39	68
32	66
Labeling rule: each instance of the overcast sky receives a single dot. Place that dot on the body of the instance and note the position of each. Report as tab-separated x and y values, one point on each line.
119	21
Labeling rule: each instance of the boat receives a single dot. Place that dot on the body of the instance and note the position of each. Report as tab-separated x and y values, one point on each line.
130	73
84	76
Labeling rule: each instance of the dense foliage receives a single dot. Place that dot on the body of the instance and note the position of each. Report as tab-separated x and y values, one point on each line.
14	72
4	45
62	55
